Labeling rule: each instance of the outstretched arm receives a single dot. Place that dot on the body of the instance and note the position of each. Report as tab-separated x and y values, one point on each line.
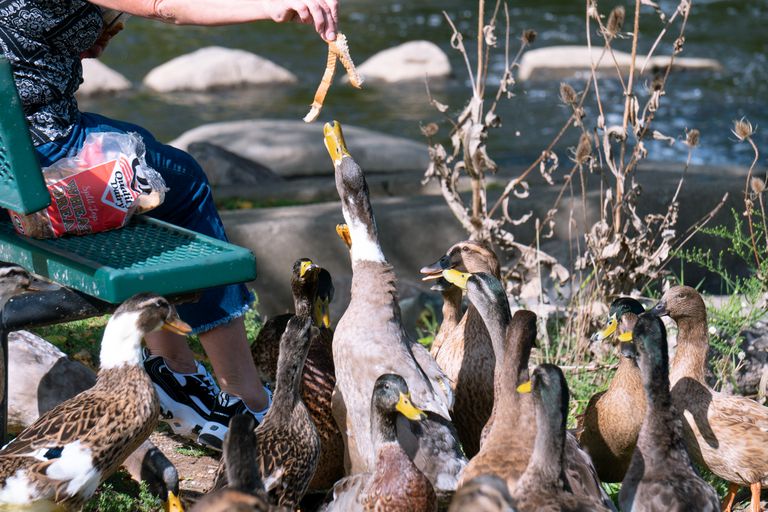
323	14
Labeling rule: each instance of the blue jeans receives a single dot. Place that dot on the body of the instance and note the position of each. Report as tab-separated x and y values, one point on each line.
188	203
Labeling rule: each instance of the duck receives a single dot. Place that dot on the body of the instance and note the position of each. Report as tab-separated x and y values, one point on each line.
462	346
395	484
484	493
661	476
543	485
727	434
245	489
512	428
288	442
15	280
71	449
318	376
610	424
370	340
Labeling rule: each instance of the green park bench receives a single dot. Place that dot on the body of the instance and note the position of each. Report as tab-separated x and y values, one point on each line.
95	272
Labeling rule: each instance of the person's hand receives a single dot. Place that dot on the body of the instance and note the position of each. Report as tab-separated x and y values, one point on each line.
323	14
101	43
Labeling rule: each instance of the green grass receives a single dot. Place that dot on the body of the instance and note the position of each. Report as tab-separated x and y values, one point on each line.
121	494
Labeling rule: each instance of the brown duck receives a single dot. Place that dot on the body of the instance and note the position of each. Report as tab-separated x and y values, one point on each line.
543	485
370	340
610	424
462	346
725	433
318	377
510	437
660	476
71	449
395	484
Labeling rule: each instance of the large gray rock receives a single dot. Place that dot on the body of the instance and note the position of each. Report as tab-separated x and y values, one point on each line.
406	62
295	148
225	169
556	62
100	79
40	376
215	67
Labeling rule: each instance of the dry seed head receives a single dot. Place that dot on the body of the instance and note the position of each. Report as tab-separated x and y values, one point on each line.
757	185
430	130
692	138
529	36
742	129
567	94
615	21
583	150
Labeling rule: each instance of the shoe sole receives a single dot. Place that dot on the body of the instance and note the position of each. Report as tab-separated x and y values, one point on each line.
183	420
210	439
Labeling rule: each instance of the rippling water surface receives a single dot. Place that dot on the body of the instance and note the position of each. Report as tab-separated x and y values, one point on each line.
731	31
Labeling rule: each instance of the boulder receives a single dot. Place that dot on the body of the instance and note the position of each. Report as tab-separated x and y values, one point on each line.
409	61
216	67
225	168
558	62
40	376
100	79
295	149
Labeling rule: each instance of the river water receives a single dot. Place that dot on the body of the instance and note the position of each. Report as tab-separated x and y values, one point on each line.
734	32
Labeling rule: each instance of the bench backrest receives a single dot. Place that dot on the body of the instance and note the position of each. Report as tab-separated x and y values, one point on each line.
22	188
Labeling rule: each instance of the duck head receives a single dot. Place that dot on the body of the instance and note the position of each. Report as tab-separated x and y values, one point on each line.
622	316
15	279
304	281
391	398
134	319
650	339
467	256
362	234
681	303
321	312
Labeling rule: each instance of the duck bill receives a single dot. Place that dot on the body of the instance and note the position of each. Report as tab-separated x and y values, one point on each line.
435	270
625	337
343	231
609	329
173	503
457	278
322	313
525	387
660	309
305	267
408	410
177	326
334	142
38	285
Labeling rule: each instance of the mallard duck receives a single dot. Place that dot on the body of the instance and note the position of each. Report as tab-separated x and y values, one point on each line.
395	484
484	493
543	486
370	340
508	445
660	476
725	433
71	449
318	378
15	280
610	424
462	348
245	489
288	442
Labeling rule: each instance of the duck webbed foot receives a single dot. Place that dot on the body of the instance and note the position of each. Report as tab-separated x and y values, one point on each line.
755	488
729	497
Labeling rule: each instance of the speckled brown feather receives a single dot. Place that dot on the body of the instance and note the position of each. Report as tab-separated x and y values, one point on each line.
266	348
397	485
112	418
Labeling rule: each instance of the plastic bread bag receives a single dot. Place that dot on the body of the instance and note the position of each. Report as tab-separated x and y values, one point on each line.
98	189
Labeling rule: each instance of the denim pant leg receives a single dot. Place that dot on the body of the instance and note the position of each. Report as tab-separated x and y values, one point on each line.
188	203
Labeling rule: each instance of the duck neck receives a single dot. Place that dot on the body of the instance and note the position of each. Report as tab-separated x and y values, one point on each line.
545	467
690	358
121	343
290	365
451	307
383	427
358	214
302	305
